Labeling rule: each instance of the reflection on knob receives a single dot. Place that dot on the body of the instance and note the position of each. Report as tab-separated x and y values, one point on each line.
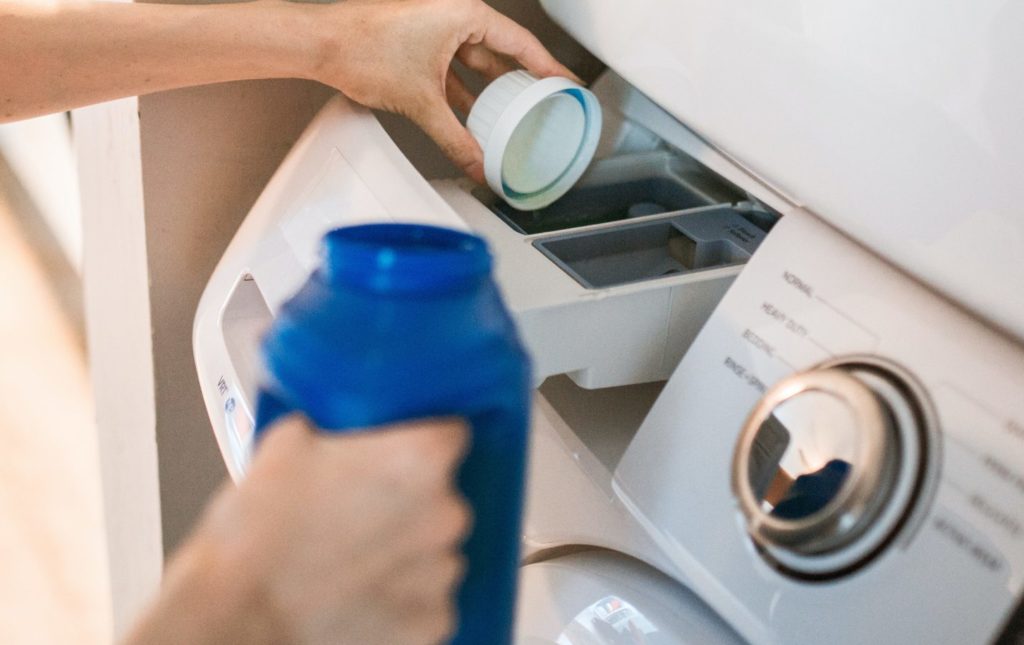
816	462
802	454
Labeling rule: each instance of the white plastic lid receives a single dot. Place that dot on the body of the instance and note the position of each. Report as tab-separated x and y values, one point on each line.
538	136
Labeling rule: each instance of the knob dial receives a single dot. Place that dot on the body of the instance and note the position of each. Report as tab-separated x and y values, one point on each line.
820	461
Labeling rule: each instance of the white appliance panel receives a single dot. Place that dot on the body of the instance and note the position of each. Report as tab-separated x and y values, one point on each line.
603	598
900	123
809	295
345	170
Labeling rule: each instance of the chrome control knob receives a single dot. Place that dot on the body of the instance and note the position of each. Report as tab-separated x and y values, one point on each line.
820	462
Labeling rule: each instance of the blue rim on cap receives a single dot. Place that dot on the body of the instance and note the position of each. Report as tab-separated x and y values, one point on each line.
520	196
499	111
581	160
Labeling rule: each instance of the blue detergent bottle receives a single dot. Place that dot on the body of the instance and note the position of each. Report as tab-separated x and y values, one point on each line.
404	322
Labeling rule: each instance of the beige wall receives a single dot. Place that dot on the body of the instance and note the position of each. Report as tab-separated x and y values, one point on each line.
206	155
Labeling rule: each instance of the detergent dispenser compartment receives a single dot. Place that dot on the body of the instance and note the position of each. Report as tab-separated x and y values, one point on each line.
623	188
656	235
698	240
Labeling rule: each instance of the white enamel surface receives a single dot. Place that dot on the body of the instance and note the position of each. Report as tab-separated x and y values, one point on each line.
900	123
957	566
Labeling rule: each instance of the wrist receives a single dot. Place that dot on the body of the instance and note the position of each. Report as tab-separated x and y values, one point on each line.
326	33
312	35
282	39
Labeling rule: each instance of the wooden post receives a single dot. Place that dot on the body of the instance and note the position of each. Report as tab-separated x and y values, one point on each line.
116	295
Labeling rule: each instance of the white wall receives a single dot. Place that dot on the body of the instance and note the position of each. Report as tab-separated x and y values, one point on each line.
117	298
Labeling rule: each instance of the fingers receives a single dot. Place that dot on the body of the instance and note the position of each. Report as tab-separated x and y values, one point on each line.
483	61
424	453
293	424
449	437
458	95
424	589
452	522
439	122
440	441
505	36
280	441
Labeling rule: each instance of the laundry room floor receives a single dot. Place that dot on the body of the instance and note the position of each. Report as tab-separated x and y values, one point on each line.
54	586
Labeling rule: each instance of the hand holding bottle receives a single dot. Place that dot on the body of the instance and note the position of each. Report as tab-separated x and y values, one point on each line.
330	539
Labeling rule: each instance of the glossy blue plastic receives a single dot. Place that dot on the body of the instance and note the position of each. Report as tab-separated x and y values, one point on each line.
404	322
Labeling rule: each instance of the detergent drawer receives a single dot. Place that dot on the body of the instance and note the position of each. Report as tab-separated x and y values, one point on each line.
611	283
344	170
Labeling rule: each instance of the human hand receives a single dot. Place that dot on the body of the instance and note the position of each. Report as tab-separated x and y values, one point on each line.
397	55
330	539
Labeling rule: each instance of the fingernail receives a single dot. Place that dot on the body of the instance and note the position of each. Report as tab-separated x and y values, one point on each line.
475	171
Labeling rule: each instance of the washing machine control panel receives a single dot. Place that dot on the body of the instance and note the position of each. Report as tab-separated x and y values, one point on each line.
839	457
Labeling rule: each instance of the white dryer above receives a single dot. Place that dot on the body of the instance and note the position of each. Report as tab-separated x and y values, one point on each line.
899	123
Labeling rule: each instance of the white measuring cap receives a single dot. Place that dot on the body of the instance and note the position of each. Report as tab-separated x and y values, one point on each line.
538	136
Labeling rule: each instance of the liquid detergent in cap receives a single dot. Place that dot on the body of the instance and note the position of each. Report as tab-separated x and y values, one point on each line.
538	136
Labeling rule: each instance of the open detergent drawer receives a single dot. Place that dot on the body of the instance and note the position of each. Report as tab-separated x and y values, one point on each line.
612	282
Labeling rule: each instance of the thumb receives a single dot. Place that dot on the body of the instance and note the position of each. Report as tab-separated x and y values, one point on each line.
441	125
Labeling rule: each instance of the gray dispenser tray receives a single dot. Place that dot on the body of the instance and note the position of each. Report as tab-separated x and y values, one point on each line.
694	241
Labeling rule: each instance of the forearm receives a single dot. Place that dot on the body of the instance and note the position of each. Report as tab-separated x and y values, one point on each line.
58	56
203	601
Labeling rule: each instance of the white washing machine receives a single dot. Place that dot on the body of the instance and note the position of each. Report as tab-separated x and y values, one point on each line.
778	328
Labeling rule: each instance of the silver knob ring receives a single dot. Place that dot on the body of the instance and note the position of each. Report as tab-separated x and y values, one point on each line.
831	526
